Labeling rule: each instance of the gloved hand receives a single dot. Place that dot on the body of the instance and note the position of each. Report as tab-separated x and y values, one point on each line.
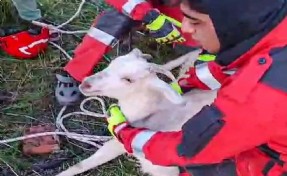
22	44
116	119
203	67
162	27
107	28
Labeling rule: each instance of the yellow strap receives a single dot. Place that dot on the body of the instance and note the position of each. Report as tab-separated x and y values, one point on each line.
175	86
115	115
206	57
159	21
174	21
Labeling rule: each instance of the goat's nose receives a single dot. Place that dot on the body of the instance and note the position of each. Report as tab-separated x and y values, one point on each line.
86	85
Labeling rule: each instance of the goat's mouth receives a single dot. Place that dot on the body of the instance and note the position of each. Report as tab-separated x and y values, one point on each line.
89	91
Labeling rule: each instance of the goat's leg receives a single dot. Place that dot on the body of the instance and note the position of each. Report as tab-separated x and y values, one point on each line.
155	170
107	152
190	57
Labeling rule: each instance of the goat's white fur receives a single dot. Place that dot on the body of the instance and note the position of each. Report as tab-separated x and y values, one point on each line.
147	95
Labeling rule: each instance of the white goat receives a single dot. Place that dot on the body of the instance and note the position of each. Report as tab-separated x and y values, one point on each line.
146	101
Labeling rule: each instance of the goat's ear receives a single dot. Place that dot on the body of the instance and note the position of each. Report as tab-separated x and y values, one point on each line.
139	54
166	90
147	56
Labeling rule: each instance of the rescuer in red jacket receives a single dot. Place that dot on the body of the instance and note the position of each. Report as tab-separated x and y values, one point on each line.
113	24
244	132
162	18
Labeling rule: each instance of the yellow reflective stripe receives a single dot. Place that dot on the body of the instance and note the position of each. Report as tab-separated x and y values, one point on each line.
206	57
175	86
129	6
140	140
157	23
101	36
174	21
204	75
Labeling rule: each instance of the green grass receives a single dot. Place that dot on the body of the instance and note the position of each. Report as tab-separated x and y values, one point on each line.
33	83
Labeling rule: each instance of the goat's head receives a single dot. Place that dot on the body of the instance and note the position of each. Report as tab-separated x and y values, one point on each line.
128	74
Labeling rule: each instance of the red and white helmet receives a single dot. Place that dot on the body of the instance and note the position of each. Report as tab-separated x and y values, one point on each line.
23	45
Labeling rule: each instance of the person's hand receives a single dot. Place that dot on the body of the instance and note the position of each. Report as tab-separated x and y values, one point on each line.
162	27
191	79
115	119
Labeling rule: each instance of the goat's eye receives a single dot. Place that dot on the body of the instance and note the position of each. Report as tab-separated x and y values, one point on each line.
127	80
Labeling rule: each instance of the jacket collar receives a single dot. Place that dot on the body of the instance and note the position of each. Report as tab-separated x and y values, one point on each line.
275	38
239	32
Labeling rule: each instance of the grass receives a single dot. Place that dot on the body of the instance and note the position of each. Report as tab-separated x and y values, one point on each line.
33	82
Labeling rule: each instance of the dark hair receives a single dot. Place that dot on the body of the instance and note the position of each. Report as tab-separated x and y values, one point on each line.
197	5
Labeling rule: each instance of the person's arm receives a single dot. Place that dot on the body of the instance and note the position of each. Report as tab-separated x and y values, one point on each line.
136	9
207	75
217	132
100	39
161	27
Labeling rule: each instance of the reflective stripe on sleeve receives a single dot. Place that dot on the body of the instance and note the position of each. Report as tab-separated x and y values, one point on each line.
205	76
101	36
140	140
129	6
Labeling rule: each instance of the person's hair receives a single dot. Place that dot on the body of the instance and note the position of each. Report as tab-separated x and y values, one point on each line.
196	5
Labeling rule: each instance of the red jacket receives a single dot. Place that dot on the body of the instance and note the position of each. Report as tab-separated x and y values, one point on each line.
250	111
205	75
90	52
137	9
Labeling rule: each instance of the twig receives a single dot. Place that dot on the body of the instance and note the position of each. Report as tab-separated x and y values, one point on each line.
70	135
12	114
62	50
36	172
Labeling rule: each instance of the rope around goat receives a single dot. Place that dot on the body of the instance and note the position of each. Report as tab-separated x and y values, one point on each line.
61	129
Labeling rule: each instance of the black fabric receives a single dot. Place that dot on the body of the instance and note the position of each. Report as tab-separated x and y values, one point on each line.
199	130
115	23
276	75
169	3
241	24
271	153
181	170
151	16
226	168
268	167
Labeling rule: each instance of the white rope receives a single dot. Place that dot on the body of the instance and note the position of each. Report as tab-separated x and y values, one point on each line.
74	16
61	117
54	28
89	139
62	50
57	28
